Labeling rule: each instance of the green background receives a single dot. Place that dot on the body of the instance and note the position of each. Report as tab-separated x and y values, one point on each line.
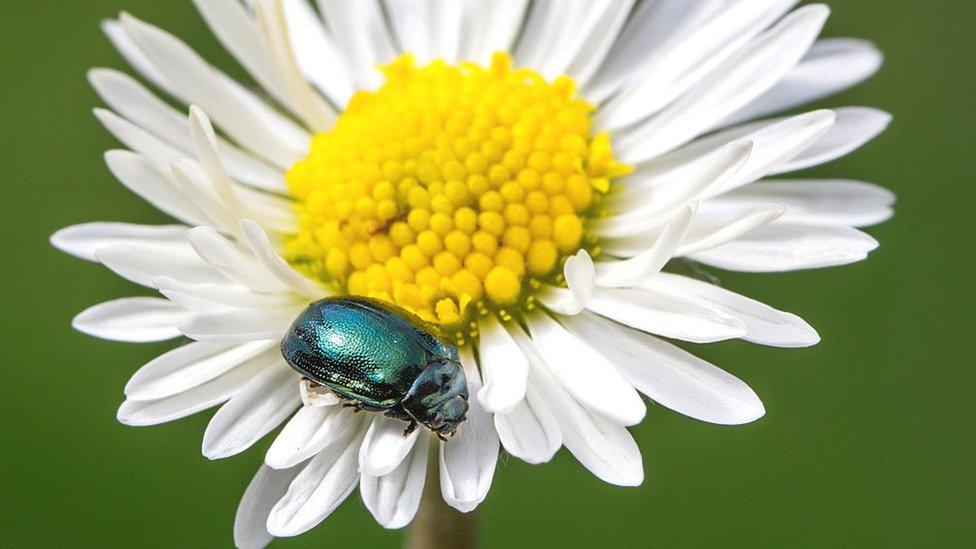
868	439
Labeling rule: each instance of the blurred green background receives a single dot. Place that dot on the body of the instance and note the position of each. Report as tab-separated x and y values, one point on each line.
868	440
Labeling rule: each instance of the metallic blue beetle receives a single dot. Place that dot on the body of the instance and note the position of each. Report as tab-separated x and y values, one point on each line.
380	358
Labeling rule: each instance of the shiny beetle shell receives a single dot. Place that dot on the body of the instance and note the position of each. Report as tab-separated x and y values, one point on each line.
380	357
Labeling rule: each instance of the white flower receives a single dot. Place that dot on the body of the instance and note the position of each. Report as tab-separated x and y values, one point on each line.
460	191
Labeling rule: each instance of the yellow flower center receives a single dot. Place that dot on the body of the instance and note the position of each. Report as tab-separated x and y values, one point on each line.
450	186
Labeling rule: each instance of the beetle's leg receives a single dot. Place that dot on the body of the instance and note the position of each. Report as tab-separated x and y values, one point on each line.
411	427
355	405
441	436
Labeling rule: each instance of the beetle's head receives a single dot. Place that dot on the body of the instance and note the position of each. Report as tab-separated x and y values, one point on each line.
438	398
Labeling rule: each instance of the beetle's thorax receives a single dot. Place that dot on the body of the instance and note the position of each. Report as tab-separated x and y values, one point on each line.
438	398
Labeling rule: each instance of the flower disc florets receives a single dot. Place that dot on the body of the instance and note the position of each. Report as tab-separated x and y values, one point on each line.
450	186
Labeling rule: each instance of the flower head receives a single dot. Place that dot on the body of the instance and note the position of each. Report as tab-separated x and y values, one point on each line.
545	182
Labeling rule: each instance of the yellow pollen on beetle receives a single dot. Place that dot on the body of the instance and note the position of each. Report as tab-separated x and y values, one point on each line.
450	186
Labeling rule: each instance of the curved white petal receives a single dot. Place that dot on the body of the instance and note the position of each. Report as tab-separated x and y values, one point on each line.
530	431
467	461
133	101
765	325
362	36
385	445
394	498
651	29
207	395
490	27
143	265
304	100
630	272
308	432
839	202
428	29
131	319
254	411
321	486
82	241
832	65
719	39
580	274
710	232
666	315
748	73
670	376
240	113
265	489
237	266
605	448
504	367
142	177
266	255
854	127
316	52
789	246
238	325
209	297
192	365
117	34
585	373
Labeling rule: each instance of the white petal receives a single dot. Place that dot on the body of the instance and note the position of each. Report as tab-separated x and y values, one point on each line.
504	367
585	373
707	35
766	325
666	315
748	73
192	365
361	35
530	430
651	194
854	127
140	176
385	445
711	232
395	497
239	325
137	104
604	31
788	246
467	461
670	376
265	489
324	483
428	29
580	275
265	253
240	34
774	142
259	407
222	255
143	265
630	272
239	112
304	100
83	240
131	319
135	57
832	65
209	297
316	52
490	27
652	29
839	202
308	432
201	397
605	448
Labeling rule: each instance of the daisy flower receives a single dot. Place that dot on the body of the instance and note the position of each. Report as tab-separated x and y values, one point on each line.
545	181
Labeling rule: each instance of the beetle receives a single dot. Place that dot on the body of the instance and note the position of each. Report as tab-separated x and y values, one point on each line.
380	358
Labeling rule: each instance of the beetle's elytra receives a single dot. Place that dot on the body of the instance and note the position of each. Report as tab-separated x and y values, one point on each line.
380	357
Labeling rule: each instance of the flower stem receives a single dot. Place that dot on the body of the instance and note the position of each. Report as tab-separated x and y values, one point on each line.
436	525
